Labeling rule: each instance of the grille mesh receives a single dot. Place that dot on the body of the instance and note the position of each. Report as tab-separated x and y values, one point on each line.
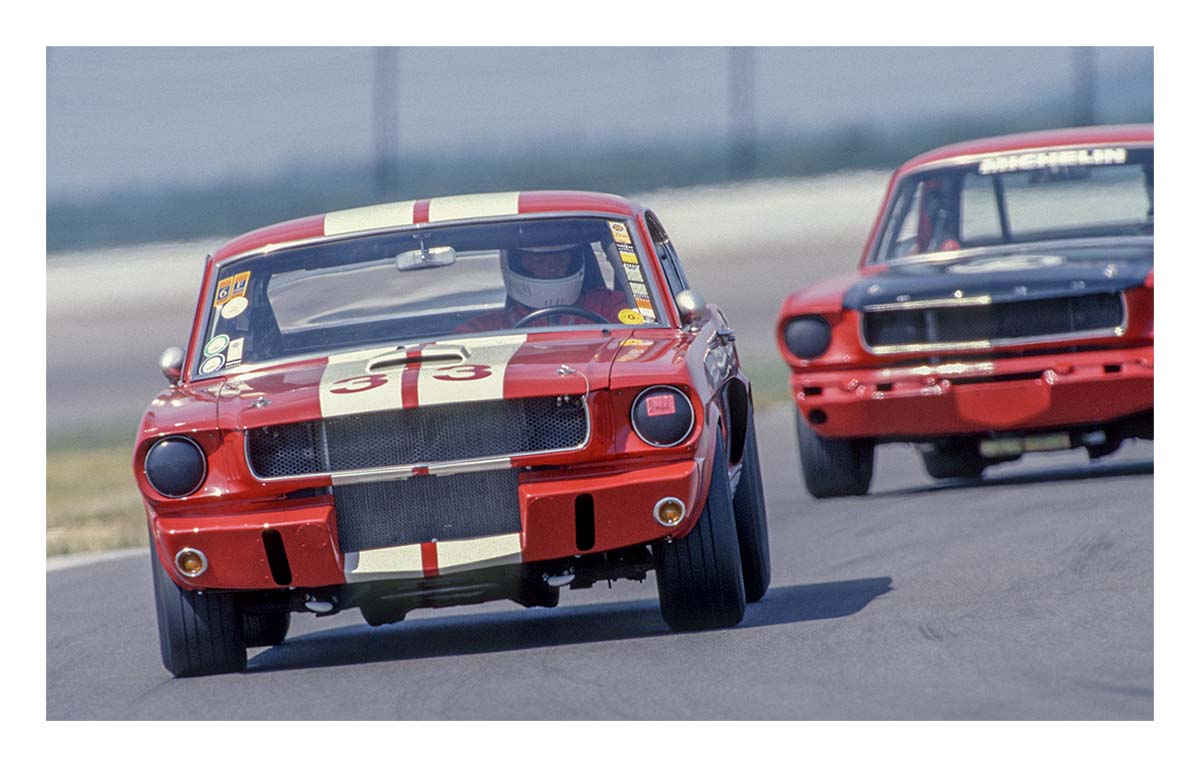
423	435
1007	321
420	509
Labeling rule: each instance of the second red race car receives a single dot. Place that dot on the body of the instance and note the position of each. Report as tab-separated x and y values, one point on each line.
1004	304
443	402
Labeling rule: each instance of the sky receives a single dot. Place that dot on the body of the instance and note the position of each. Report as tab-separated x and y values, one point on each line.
121	118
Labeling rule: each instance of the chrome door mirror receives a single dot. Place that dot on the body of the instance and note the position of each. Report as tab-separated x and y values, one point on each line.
170	362
691	306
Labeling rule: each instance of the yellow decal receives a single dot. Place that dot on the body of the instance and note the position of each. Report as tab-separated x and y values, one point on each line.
630	317
239	284
223	291
620	233
629	258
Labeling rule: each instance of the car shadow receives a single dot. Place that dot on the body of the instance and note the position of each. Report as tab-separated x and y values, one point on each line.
528	629
1057	474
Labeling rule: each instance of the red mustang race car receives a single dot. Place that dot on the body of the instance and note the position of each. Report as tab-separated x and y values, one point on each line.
1004	304
445	402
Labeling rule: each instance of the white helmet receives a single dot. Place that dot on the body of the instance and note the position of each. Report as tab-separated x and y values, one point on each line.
538	292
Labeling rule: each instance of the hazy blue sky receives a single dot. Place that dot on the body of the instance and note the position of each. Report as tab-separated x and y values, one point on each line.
119	117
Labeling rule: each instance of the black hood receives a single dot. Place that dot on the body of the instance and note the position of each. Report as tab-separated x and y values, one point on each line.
1010	274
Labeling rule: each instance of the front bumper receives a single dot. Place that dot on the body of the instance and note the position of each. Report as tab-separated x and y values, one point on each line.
243	549
978	397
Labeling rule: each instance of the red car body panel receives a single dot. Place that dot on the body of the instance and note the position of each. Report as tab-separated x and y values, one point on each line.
227	516
1037	384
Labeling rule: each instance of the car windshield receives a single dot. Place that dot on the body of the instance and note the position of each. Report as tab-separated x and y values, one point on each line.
1053	194
423	283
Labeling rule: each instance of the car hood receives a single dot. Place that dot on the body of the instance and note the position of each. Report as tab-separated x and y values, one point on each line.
1011	274
417	375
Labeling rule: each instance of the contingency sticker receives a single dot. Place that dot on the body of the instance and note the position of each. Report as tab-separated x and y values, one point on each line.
628	255
646	308
212	364
639	290
620	232
660	404
235	352
234	307
216	345
634	273
231	287
630	317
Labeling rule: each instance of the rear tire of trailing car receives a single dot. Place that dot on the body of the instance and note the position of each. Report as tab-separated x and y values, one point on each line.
750	511
199	633
700	575
961	463
834	467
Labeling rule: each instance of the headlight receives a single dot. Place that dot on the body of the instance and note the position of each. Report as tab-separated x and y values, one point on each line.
175	466
662	416
807	336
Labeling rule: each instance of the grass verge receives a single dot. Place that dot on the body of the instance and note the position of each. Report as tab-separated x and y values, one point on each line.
92	503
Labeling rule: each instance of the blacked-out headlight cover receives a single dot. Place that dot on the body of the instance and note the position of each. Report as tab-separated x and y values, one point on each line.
175	466
807	336
662	416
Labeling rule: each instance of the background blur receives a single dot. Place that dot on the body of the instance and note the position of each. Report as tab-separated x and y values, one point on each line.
765	164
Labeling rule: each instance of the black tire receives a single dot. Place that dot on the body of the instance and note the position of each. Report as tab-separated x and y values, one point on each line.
199	633
700	575
965	463
265	629
750	511
834	467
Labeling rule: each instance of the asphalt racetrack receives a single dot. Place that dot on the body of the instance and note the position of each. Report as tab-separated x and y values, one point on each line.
1027	596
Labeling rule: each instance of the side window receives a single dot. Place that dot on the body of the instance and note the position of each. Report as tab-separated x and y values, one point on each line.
665	251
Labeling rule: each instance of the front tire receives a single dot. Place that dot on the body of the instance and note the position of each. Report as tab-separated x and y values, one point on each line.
265	629
834	467
750	512
699	576
199	633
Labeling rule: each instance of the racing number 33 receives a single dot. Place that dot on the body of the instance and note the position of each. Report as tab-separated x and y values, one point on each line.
448	373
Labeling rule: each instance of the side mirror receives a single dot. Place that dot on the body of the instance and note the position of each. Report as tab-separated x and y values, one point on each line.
170	362
691	306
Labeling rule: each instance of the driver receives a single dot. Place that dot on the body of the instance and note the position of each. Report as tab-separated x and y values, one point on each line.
545	277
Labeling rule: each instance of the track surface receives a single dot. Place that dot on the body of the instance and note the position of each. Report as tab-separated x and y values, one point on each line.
1026	596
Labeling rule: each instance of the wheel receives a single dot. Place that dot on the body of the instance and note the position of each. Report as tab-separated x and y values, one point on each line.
265	629
700	575
834	467
750	512
199	633
963	463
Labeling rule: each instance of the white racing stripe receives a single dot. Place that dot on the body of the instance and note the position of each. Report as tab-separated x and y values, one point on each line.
479	552
371	217
382	563
347	388
479	377
473	206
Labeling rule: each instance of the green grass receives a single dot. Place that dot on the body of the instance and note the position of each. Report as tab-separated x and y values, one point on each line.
92	502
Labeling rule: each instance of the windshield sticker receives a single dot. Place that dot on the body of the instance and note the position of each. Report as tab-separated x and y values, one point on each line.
231	287
235	351
1062	158
630	317
646	308
634	273
639	290
620	232
216	345
234	307
212	364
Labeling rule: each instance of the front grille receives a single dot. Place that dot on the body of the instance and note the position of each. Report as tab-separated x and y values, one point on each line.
418	436
425	508
992	324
